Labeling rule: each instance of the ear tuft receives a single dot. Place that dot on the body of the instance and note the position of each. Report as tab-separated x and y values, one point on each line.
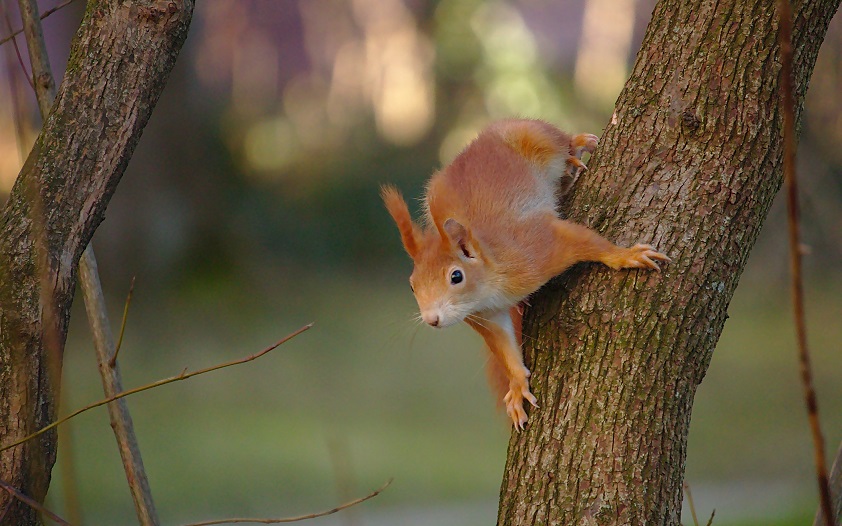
397	208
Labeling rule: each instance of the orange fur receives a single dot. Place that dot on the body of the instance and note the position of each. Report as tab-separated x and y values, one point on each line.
493	236
498	375
527	139
397	208
584	142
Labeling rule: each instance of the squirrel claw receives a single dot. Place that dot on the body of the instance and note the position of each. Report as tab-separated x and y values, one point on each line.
514	405
584	142
532	400
644	256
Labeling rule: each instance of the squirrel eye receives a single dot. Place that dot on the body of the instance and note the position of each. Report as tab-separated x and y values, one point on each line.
411	288
456	277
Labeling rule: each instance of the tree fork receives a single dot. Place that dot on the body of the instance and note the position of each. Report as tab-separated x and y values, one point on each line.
690	162
118	412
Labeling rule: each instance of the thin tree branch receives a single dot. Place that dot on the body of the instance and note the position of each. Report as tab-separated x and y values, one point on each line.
788	103
340	459
17	49
183	376
692	505
112	383
31	503
21	117
300	517
113	361
42	74
44	15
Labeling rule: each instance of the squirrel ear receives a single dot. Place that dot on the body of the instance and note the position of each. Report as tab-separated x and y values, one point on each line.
460	237
397	208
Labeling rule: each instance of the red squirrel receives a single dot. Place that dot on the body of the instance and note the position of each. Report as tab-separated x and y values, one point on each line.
493	236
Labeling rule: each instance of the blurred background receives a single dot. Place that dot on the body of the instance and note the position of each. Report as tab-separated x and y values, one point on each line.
251	208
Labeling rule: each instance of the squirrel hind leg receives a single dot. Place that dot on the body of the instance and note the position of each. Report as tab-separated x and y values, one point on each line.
573	168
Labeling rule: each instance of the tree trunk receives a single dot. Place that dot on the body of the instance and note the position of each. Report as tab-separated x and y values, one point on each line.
689	163
120	60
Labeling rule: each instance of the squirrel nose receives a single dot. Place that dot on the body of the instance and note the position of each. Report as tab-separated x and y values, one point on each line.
431	318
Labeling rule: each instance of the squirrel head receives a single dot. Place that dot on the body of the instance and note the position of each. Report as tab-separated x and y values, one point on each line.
451	275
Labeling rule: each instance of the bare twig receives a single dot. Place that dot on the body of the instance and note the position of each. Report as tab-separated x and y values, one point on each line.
44	15
42	74
184	375
340	459
690	502
21	116
710	520
113	361
300	517
112	383
17	49
788	103
31	503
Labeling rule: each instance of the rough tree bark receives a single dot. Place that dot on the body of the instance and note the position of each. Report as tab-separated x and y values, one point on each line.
690	162
119	62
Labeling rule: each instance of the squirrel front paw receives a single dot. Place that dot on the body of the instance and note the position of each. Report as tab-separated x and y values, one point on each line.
514	403
640	256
